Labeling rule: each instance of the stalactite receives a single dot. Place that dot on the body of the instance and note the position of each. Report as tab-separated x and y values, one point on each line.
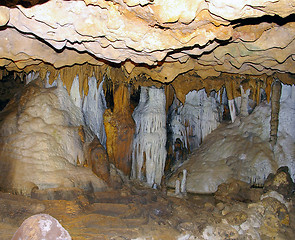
169	92
275	108
150	139
3	73
257	94
120	128
94	106
231	101
269	81
232	109
244	101
75	93
31	76
190	123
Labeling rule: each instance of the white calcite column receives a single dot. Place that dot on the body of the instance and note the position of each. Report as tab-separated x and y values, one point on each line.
232	109
244	101
149	147
194	120
94	106
75	93
183	181
284	149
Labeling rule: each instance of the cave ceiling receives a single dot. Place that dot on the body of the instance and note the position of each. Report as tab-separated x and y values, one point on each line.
160	38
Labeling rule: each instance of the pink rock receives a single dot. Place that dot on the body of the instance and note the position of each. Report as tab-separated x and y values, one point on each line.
41	227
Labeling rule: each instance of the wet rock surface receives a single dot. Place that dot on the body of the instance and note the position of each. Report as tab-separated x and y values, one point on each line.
137	212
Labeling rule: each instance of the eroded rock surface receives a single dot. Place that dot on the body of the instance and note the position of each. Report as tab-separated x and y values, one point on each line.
208	37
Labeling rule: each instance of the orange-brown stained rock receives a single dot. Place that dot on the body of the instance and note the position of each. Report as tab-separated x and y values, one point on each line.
120	128
97	159
169	92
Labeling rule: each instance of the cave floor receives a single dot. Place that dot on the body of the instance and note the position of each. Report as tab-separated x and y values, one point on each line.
134	212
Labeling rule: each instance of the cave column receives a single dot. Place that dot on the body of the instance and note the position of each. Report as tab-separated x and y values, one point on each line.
244	101
120	127
149	149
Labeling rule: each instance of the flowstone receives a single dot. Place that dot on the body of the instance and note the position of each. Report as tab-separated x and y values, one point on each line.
40	145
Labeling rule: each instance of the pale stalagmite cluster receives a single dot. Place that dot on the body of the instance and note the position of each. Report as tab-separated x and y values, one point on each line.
152	79
119	109
41	146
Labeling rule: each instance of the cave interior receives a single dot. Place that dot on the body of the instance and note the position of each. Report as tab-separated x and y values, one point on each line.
147	119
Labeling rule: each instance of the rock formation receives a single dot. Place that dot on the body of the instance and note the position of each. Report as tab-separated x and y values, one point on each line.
280	182
112	89
225	53
98	161
40	146
241	150
149	148
120	129
174	37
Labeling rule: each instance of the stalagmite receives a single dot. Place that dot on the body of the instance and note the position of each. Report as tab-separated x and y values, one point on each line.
177	187
244	101
97	160
40	138
183	182
275	108
232	109
149	149
193	121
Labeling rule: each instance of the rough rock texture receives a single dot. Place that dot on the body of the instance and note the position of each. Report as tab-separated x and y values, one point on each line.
41	226
265	219
235	190
138	212
208	37
98	161
280	182
40	144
